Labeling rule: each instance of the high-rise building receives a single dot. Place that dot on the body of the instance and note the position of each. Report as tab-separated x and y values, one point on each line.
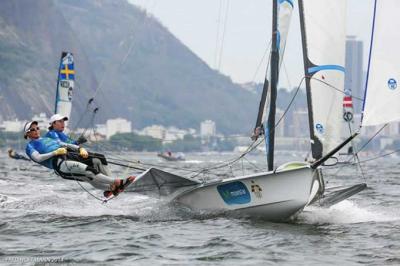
354	78
208	128
300	123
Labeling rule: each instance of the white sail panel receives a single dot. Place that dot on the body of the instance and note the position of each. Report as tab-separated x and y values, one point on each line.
65	86
285	10
382	101
324	24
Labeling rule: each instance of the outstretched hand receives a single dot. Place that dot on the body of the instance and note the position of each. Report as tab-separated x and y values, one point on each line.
83	153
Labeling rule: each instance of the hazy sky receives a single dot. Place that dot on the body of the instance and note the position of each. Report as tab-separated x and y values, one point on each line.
247	33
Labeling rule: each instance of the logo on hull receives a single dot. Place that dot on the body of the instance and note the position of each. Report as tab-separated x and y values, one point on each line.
256	189
234	193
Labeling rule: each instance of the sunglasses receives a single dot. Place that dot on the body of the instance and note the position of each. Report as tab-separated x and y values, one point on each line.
33	129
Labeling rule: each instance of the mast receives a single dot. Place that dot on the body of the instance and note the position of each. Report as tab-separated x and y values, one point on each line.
274	81
316	145
265	124
63	54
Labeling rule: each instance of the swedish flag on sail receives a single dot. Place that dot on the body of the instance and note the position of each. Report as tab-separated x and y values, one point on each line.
67	71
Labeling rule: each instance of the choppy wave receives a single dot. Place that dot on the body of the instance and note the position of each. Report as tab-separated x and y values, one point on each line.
44	215
347	212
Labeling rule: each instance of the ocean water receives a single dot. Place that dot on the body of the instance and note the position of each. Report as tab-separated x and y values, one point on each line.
46	220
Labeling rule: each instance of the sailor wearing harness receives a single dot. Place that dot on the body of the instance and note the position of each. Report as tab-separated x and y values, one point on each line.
56	132
53	155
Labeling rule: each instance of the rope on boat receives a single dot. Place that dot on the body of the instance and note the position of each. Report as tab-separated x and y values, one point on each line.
87	191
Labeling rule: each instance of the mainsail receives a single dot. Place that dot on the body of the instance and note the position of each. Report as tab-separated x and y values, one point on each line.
323	35
382	93
282	13
65	85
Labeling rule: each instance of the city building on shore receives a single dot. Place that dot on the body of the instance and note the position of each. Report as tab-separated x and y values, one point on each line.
208	129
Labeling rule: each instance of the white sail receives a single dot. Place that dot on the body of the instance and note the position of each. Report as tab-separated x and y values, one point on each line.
323	25
285	9
65	85
382	101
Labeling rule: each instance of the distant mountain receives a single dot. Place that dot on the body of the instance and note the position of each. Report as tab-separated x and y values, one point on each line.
146	74
32	36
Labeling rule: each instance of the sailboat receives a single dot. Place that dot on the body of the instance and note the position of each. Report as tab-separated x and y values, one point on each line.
284	191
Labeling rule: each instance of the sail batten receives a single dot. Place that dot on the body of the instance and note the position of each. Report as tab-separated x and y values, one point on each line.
382	94
314	69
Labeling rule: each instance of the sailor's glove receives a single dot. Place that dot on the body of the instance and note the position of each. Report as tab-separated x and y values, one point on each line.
83	153
60	151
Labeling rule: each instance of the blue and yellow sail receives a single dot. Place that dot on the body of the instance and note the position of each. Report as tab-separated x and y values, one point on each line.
65	85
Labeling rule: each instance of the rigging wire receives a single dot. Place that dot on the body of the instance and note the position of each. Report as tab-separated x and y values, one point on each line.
113	70
223	34
286	74
365	145
333	87
267	50
77	181
124	58
218	33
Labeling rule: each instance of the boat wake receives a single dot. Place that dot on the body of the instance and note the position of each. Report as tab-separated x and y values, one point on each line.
346	212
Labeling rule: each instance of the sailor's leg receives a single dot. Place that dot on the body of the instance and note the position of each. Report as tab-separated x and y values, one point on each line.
70	167
87	174
101	167
102	182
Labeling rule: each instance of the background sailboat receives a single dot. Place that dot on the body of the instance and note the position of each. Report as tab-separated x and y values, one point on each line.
65	85
382	92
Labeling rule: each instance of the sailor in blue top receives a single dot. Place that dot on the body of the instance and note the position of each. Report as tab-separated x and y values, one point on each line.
56	132
54	155
57	126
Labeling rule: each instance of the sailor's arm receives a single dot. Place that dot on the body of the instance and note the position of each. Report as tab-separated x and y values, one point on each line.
82	151
37	157
69	145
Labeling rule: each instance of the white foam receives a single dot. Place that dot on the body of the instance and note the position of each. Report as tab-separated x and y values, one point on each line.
347	212
193	161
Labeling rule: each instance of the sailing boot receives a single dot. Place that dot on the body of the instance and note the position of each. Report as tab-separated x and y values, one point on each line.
122	185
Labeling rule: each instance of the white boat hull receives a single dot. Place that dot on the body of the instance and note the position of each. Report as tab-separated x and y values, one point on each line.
273	196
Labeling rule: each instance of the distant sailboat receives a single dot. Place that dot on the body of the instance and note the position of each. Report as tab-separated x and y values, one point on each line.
382	92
